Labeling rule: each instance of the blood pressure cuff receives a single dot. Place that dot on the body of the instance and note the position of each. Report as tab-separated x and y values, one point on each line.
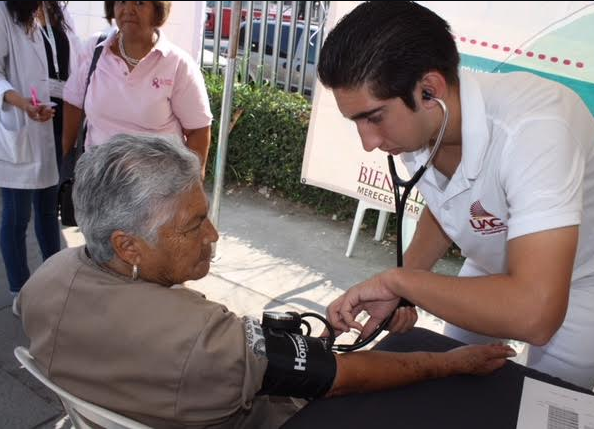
298	366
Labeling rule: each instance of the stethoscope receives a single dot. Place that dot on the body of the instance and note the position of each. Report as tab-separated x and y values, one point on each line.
400	205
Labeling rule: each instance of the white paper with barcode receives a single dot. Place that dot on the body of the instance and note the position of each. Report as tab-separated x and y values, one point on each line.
545	406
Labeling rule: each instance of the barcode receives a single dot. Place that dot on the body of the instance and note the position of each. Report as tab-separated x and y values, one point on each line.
562	418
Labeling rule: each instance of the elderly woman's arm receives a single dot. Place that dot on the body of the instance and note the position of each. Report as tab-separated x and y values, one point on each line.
373	370
198	140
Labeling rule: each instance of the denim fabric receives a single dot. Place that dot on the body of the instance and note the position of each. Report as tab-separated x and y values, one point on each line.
16	213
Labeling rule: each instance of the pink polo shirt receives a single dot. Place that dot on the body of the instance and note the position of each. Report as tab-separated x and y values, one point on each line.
162	94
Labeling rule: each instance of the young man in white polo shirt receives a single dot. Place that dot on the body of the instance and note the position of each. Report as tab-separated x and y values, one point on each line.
512	185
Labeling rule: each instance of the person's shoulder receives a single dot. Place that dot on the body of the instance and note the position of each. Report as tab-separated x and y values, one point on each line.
63	264
70	254
188	304
5	17
516	98
174	52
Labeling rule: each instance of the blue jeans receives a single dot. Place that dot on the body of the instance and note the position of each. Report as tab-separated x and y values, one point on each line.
16	213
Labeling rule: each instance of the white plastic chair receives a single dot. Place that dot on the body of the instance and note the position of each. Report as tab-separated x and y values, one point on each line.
408	226
77	409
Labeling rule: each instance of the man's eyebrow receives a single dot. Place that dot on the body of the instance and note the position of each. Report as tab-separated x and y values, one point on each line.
365	114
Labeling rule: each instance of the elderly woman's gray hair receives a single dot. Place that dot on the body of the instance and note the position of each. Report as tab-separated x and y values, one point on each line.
131	184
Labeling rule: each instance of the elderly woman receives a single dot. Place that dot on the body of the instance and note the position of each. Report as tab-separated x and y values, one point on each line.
142	84
106	324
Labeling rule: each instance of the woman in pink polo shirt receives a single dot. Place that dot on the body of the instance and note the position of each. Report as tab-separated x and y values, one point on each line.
143	84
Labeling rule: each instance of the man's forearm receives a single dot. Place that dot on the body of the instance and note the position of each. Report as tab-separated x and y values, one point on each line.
429	243
500	306
72	122
528	303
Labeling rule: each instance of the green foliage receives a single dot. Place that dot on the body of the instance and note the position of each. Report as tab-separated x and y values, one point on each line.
266	147
267	143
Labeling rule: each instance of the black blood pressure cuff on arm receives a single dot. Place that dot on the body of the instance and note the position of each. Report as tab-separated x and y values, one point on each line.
298	366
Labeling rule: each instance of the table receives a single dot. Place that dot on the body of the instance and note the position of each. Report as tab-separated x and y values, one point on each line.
487	402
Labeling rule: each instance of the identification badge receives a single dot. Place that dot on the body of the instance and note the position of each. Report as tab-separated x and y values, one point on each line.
56	88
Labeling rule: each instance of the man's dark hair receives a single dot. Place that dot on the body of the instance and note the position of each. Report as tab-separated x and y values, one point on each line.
388	45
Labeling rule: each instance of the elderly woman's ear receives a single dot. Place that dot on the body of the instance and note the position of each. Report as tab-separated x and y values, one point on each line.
126	247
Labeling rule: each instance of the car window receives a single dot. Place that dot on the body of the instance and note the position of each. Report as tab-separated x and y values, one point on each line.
284	43
255	36
284	40
311	54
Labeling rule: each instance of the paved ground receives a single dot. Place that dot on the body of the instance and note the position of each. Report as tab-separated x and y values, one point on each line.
271	255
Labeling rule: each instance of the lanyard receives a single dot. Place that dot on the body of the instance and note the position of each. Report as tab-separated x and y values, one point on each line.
48	33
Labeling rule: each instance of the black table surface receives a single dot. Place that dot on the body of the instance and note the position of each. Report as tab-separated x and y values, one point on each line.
485	402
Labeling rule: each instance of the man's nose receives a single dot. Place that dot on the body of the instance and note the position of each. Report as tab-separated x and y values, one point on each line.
371	139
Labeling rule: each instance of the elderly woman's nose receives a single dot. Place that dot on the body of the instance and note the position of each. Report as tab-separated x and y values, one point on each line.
211	235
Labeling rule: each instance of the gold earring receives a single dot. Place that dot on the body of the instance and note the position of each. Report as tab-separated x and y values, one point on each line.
134	272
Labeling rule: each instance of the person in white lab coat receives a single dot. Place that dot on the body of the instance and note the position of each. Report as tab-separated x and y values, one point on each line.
37	50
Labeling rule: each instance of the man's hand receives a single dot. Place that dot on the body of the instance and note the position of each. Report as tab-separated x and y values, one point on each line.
376	298
479	360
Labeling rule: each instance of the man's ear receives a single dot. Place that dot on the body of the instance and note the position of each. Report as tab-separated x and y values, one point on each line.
432	83
127	247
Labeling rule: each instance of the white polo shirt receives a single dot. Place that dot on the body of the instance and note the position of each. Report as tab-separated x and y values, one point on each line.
527	166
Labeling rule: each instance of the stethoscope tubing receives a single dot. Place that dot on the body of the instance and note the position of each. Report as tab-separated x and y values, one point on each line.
400	206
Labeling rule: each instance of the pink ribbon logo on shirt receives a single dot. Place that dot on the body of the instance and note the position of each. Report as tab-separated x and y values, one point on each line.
158	82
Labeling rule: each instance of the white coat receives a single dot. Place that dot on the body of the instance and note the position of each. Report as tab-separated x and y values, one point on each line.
27	148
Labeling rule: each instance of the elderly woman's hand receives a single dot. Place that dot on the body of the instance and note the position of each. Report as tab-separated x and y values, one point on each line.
479	359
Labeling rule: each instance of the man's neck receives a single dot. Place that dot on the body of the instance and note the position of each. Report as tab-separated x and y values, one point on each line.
448	159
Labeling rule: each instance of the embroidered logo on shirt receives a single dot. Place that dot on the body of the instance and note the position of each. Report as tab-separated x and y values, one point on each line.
254	336
484	222
159	81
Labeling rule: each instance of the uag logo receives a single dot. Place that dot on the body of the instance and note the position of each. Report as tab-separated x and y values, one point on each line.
484	222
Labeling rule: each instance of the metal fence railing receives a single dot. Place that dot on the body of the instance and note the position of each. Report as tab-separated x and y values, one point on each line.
279	42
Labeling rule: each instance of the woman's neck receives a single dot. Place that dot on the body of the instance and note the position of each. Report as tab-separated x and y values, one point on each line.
40	15
118	266
138	47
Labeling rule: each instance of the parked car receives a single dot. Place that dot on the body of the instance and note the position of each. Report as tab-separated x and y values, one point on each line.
255	70
226	11
208	62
